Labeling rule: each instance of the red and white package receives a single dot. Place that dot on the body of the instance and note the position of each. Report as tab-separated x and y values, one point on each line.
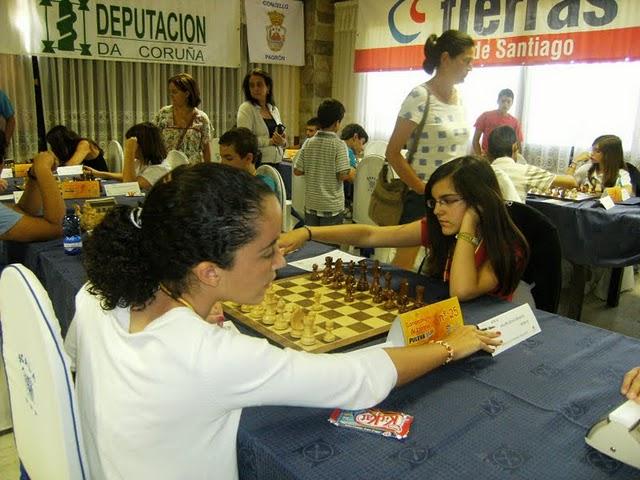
374	420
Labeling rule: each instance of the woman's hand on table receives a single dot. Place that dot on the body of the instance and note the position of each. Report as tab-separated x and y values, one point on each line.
468	339
631	384
293	240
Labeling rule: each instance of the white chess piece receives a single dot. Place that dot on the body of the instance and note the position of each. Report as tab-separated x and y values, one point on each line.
282	321
329	336
308	337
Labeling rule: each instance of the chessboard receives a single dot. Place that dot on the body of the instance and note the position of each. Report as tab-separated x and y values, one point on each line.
570	195
314	313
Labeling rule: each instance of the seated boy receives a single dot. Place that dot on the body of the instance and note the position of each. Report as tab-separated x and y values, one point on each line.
355	137
239	149
324	161
503	147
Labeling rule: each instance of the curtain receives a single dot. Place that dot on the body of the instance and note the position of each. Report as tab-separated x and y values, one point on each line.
348	87
16	79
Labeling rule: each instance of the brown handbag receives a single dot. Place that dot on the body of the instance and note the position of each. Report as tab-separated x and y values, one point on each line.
387	198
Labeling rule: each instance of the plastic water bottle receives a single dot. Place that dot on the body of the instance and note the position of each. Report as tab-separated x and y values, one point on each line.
71	233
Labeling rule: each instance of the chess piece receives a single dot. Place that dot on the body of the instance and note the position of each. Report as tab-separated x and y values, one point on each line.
389	303
246	308
269	317
329	336
282	321
352	268
280	305
419	299
348	298
363	285
308	334
402	298
375	285
387	281
297	323
315	275
379	296
257	312
317	302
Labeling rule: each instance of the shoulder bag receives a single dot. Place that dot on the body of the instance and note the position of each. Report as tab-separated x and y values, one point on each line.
387	198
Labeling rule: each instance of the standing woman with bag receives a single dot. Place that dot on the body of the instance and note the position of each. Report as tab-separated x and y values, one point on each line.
183	126
444	135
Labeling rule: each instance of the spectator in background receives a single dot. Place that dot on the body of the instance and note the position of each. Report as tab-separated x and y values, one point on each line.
324	162
445	134
260	115
144	157
7	117
355	137
487	121
183	126
311	128
239	149
503	148
72	149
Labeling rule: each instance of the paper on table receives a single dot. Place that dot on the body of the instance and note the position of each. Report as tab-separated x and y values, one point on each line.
307	263
6	173
125	188
69	170
516	325
5	197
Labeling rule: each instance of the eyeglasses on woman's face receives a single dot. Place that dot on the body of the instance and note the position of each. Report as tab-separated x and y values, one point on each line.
445	201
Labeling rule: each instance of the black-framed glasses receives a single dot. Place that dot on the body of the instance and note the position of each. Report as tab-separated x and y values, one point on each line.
444	201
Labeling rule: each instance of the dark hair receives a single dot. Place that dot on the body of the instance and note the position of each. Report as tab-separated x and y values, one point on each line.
202	212
454	42
267	80
150	142
474	179
186	83
352	129
330	111
612	159
313	121
64	141
243	142
501	140
505	92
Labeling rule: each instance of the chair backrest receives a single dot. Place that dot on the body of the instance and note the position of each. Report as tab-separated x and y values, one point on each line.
634	173
544	267
43	402
115	156
175	158
375	147
281	192
366	176
298	191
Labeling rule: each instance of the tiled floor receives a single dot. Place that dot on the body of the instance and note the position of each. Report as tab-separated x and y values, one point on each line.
624	319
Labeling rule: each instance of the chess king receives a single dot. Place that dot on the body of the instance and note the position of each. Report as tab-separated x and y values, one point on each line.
276	32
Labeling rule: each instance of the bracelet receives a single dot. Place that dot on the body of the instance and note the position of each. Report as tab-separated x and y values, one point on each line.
309	235
472	239
449	350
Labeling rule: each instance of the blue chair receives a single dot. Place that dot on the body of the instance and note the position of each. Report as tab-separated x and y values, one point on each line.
43	403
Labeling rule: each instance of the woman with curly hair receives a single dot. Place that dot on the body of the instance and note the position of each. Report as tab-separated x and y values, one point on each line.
470	238
154	376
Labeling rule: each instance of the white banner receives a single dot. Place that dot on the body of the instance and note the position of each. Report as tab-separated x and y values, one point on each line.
275	31
391	33
195	32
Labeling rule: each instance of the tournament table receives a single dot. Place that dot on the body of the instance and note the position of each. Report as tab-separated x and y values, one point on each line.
522	414
591	235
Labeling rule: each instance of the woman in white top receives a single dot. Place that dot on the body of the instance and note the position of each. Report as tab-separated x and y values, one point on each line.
606	168
144	155
445	135
160	389
259	114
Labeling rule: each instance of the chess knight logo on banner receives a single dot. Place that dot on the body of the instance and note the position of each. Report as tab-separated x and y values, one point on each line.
65	24
276	33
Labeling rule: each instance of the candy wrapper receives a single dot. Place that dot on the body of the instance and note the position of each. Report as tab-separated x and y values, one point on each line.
374	420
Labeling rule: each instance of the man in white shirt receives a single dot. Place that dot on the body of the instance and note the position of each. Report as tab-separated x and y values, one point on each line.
503	148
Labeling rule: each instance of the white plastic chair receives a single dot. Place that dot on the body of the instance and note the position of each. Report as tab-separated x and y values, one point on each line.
366	177
281	193
115	156
43	402
298	191
375	147
175	158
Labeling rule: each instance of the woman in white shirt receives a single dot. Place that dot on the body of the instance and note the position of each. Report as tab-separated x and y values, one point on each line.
606	168
161	390
144	155
445	134
259	114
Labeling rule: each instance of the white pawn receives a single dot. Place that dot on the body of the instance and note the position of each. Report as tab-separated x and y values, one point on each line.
308	337
257	312
317	298
270	315
282	321
296	322
329	336
280	306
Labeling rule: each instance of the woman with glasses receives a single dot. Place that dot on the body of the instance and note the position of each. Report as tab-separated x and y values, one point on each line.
472	242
